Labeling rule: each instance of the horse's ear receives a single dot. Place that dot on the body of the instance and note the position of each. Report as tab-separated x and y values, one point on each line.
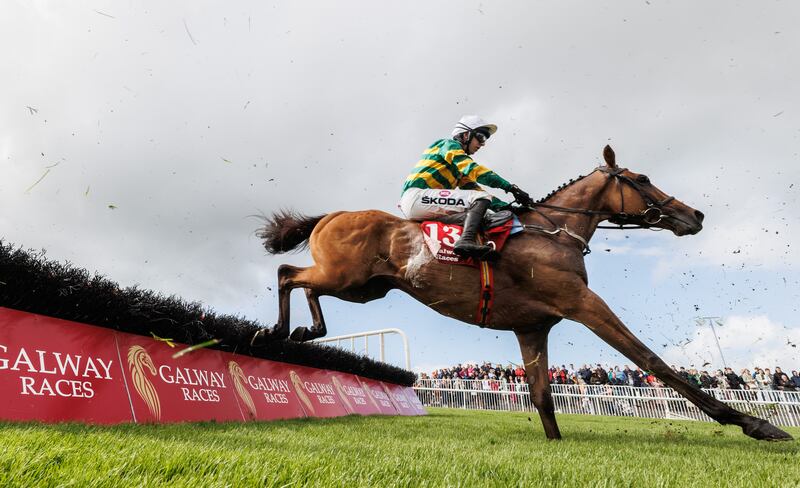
608	155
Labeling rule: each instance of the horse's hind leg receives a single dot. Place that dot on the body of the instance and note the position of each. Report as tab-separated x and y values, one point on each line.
302	334
374	288
287	281
593	312
533	345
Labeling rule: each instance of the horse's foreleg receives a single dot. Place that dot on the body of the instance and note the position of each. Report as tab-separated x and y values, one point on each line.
593	312
533	345
318	329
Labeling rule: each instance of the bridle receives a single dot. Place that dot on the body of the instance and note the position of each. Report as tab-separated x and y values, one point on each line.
646	219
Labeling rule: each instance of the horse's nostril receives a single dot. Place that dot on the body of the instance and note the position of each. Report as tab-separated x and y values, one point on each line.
699	215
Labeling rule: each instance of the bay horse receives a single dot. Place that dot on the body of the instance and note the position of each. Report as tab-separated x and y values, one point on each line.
540	279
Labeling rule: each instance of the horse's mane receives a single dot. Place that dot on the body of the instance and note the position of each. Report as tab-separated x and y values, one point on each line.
562	186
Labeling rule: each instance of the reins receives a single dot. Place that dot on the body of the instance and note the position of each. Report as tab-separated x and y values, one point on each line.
645	219
537	228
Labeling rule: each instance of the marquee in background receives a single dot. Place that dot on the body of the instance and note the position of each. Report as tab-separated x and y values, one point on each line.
54	370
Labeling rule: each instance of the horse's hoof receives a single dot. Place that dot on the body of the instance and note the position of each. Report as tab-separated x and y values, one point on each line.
764	431
299	334
268	334
305	334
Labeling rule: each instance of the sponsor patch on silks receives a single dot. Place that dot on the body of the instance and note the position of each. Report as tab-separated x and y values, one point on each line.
444	198
441	238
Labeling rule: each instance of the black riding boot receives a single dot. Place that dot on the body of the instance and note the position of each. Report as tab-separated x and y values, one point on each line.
467	245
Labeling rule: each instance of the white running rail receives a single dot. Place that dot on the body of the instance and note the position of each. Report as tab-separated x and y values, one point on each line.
366	335
779	407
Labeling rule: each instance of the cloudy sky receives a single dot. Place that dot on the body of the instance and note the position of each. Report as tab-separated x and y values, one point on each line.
138	140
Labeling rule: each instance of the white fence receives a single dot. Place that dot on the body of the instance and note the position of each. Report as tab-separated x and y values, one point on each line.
351	338
779	407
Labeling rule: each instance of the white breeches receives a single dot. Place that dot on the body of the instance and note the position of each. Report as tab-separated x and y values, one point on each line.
429	203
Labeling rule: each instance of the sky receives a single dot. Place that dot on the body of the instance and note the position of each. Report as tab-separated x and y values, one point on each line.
141	140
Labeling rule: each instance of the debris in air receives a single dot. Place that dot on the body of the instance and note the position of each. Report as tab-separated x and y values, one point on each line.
163	339
37	181
187	31
189	349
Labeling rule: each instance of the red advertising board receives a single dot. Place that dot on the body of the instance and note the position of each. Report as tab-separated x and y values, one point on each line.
54	370
378	396
353	395
193	387
316	391
413	399
398	395
264	388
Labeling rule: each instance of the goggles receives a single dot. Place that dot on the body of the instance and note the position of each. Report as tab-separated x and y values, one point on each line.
481	136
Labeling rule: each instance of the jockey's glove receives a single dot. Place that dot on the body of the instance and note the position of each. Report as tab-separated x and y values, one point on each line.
520	196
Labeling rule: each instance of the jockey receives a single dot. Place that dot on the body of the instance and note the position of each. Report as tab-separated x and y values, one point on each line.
445	181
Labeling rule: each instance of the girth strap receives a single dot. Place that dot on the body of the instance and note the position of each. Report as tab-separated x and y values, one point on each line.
486	298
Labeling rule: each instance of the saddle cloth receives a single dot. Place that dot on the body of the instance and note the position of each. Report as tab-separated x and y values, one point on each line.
441	237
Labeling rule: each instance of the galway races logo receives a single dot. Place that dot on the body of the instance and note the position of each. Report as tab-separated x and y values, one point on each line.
239	382
301	392
338	384
138	360
370	394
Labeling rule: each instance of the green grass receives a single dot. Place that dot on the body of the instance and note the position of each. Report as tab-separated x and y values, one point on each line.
446	448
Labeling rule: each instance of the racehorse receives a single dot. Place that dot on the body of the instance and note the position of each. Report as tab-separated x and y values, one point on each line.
540	279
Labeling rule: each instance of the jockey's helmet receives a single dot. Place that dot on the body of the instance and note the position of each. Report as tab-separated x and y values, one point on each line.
469	123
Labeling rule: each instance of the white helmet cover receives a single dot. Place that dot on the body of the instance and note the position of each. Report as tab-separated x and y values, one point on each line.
472	122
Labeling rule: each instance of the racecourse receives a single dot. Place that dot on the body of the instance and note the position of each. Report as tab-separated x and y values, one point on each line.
445	448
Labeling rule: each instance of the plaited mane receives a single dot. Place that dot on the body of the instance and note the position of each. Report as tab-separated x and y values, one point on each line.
562	186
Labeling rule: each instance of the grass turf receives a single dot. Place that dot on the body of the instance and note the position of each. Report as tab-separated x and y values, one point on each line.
445	448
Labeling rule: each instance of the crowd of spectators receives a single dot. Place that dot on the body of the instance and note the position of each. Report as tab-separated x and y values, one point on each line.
727	378
507	374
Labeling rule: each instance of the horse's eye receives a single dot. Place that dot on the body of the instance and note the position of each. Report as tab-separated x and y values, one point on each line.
643	179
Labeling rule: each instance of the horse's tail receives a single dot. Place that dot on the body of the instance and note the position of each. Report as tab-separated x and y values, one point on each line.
287	230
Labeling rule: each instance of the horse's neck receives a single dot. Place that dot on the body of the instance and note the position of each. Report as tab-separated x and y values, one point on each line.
586	194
